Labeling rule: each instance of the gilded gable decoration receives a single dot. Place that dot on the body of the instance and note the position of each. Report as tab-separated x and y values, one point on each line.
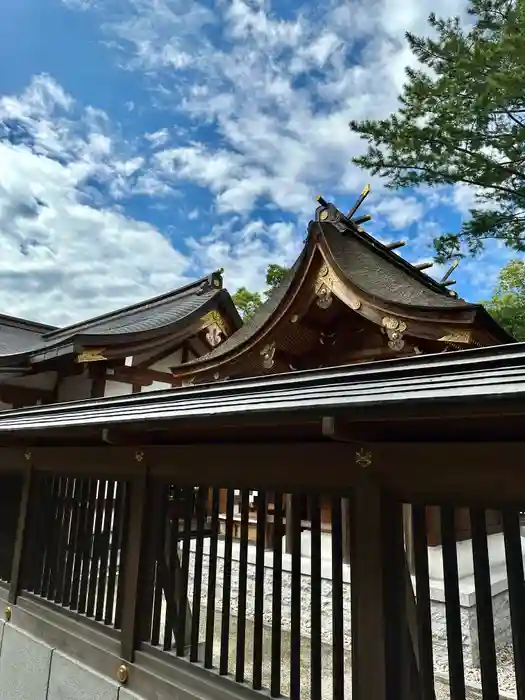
394	329
324	285
268	355
216	329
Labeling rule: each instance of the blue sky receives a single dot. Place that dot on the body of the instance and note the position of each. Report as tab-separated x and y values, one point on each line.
144	143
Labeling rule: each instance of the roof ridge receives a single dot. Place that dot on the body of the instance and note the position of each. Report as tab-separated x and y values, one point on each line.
345	226
25	324
214	279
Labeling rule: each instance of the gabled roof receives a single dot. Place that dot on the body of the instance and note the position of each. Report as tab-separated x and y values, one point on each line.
382	273
137	321
370	267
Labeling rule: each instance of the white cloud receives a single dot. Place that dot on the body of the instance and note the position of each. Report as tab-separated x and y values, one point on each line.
276	94
245	251
280	140
158	138
62	258
400	212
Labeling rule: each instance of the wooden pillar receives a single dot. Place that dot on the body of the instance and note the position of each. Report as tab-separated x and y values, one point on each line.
369	677
384	665
20	532
97	372
135	552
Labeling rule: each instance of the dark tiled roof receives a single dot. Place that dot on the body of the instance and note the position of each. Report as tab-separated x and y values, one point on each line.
148	316
379	274
15	341
18	335
144	317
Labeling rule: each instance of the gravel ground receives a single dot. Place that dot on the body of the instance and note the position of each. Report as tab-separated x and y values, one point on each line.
506	677
507	682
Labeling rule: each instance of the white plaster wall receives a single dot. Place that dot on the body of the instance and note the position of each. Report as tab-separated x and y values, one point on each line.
171	361
155	386
496	552
74	388
116	388
164	365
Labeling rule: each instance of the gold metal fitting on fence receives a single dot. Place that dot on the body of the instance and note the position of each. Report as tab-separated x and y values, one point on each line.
27	455
123	674
363	458
139	455
7	613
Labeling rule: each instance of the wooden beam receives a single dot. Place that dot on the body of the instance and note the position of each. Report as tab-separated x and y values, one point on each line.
394	245
24	395
140	375
185	352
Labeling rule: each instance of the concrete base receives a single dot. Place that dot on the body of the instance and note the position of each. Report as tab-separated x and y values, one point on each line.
25	663
33	670
71	680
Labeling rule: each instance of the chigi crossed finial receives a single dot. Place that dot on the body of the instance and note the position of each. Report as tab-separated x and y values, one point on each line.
361	220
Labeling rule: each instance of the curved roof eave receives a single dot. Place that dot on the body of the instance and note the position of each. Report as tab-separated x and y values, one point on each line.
219	295
490	323
381	274
236	343
68	343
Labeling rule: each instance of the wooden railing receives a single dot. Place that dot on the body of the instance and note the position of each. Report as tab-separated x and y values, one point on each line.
75	542
155	559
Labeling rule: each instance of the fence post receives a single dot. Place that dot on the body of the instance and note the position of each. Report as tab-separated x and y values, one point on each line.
369	672
135	548
21	530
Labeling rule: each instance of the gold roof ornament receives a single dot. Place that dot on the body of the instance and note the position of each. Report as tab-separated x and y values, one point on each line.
91	355
457	336
364	194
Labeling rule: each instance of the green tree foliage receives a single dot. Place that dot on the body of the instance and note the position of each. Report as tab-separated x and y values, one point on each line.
248	302
507	305
462	119
275	274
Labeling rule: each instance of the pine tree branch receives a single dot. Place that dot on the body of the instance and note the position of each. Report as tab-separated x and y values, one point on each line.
488	161
467	181
515	119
